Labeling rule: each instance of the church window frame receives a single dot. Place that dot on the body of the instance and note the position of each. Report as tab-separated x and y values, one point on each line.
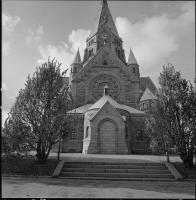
118	53
139	135
73	134
134	70
126	132
87	132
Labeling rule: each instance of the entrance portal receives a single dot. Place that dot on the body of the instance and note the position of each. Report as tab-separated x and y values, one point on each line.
107	138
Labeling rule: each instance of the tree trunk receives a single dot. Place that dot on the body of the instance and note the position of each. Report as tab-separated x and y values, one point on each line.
187	158
41	155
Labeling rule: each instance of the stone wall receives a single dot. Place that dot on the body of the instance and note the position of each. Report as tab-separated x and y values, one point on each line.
119	135
75	145
143	145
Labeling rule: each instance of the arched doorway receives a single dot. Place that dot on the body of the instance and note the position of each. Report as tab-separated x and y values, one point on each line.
107	137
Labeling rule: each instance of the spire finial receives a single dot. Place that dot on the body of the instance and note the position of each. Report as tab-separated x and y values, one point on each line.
104	1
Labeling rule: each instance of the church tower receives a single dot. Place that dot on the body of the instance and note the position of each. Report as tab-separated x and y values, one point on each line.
75	67
132	63
104	32
106	93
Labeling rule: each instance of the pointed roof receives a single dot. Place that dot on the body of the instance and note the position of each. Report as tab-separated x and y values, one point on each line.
132	59
111	106
103	16
101	102
105	98
148	95
147	82
105	47
77	58
80	110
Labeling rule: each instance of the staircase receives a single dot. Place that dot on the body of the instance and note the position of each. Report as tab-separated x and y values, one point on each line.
116	171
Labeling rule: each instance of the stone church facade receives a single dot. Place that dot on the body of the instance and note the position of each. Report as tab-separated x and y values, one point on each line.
109	95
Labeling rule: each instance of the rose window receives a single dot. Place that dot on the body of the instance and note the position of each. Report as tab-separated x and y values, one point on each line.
100	83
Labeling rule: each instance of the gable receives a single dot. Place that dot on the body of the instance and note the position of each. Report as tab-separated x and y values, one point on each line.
107	109
105	59
147	82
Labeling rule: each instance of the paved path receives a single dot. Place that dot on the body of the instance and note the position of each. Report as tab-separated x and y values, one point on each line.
68	188
119	158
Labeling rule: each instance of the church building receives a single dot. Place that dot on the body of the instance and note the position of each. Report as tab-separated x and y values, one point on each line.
109	95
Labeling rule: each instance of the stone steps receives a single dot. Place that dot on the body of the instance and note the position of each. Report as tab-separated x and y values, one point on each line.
116	170
115	166
118	179
94	170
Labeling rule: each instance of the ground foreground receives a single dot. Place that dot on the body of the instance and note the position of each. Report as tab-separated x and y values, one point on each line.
67	188
27	166
21	187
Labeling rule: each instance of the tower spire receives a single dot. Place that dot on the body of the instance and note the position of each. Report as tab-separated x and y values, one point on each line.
104	17
77	58
131	59
104	1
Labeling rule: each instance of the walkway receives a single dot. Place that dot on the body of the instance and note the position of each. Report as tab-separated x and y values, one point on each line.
112	158
64	188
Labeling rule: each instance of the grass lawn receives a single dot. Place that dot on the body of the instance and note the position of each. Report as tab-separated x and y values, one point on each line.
27	166
187	173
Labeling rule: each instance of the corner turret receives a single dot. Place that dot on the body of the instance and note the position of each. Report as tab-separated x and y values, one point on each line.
132	62
75	67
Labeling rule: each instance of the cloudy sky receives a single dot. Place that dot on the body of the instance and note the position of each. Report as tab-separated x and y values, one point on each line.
157	31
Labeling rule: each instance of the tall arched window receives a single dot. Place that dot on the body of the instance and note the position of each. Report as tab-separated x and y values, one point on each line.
87	132
73	135
139	135
133	69
126	132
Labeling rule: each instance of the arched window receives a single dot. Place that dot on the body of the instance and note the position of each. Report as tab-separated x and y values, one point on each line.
73	135
118	53
133	69
126	132
105	62
139	135
87	132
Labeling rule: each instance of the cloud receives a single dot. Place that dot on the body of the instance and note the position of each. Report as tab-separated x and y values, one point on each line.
154	39
4	115
35	36
6	48
4	87
78	39
60	53
9	22
8	100
64	53
187	18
